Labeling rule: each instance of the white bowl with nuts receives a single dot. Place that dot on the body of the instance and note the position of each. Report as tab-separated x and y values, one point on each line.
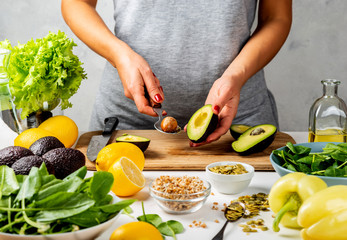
180	194
230	177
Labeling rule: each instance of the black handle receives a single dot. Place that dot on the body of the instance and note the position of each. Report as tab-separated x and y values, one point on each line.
110	125
220	234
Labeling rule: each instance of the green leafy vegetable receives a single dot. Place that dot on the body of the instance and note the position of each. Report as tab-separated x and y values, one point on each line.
44	70
332	161
169	228
41	204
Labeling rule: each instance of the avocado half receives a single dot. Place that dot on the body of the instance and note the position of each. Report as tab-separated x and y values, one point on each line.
255	139
140	142
236	130
202	123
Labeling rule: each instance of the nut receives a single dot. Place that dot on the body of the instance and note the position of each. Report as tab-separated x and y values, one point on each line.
169	124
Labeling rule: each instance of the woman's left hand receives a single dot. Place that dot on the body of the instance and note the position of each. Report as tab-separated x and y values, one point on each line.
224	97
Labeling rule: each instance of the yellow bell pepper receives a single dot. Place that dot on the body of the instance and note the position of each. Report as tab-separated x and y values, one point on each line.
287	195
324	215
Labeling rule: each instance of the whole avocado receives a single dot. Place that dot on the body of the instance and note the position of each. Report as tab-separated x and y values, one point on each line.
10	155
65	161
23	165
45	144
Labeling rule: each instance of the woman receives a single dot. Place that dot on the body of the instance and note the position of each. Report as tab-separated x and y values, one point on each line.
199	52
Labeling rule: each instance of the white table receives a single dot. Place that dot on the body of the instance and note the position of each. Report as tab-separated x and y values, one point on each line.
261	182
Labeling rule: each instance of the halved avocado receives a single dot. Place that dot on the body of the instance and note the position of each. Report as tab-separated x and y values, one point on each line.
255	139
201	124
140	142
236	130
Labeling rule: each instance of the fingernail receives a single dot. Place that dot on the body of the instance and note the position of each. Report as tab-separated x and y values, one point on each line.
158	98
154	74
216	108
161	88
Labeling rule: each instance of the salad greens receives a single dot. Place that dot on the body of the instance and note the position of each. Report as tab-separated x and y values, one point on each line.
332	161
169	228
44	70
41	204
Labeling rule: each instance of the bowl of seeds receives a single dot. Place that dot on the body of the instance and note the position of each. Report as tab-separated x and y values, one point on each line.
229	177
179	194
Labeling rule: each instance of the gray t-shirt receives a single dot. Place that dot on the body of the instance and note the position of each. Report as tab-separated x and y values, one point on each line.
188	44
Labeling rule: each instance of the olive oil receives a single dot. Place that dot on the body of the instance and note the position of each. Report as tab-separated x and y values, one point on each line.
327	135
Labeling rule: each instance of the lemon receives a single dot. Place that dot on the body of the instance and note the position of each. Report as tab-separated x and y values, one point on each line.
128	178
112	153
63	128
29	136
136	231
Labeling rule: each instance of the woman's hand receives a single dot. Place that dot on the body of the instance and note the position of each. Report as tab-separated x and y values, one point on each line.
136	76
224	97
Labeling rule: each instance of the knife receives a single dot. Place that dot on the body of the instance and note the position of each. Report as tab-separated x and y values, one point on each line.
99	141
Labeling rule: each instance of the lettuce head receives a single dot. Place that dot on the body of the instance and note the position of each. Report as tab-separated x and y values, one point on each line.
44	70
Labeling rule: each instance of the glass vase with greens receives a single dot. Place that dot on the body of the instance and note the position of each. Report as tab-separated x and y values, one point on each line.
43	74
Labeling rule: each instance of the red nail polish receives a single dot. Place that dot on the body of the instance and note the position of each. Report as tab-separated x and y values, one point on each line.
157	97
154	74
216	108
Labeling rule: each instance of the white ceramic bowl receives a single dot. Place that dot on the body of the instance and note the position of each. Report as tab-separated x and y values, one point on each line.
230	184
85	234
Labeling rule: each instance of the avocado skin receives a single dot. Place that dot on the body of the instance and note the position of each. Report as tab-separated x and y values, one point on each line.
142	145
11	154
24	165
262	145
236	134
65	161
45	144
211	127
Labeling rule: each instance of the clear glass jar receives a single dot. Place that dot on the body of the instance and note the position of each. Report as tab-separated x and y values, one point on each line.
8	113
328	115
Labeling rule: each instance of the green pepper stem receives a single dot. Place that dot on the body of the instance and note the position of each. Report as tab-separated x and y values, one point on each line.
292	204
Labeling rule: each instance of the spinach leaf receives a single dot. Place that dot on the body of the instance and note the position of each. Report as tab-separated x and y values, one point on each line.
81	173
101	185
30	186
8	181
62	205
70	185
153	219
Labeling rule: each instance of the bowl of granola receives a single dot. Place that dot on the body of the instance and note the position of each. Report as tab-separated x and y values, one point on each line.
230	177
180	194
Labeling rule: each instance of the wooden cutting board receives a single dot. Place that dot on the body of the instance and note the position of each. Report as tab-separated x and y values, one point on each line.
172	151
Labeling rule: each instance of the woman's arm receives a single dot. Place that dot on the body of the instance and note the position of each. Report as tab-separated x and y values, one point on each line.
274	22
135	73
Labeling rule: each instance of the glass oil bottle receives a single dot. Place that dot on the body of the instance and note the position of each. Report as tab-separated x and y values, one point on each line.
328	115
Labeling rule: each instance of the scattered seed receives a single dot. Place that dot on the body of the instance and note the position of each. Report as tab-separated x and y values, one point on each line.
229	169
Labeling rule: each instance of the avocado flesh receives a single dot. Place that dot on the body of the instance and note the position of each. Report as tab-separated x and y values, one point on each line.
202	123
140	142
236	130
255	139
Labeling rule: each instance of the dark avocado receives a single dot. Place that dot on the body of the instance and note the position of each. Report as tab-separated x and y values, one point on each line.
237	129
9	155
140	142
201	124
64	160
43	145
255	139
24	165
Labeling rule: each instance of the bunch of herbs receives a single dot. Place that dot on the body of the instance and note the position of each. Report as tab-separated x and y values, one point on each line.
332	161
168	228
39	203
